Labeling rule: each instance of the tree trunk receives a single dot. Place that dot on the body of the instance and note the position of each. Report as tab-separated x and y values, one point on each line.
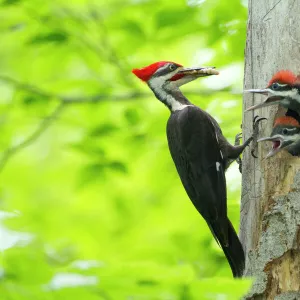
270	209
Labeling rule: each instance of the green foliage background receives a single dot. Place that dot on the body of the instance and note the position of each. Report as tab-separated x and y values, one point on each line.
91	204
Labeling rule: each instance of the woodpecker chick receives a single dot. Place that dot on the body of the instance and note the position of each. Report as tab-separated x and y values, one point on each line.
200	152
283	89
285	136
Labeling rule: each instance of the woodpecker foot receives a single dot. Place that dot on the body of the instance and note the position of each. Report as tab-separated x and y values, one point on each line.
239	162
237	142
256	121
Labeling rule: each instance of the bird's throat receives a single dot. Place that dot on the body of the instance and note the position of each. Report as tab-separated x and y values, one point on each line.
174	100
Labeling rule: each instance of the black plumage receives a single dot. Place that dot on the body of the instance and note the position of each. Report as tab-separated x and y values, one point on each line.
199	152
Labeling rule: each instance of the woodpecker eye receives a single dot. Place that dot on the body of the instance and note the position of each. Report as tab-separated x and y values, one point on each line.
275	86
172	67
284	131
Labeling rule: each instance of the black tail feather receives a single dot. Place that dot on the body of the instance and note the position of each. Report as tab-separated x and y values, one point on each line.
231	246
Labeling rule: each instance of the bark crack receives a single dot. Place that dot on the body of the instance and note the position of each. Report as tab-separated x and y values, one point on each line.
270	10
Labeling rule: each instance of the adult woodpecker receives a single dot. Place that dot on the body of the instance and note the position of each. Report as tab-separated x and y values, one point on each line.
199	150
285	136
283	89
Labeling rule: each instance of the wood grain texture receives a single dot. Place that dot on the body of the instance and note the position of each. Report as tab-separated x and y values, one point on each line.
270	209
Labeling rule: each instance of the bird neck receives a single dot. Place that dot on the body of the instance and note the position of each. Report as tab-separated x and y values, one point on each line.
292	98
172	98
294	148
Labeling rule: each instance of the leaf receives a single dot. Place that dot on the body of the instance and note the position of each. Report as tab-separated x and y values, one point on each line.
99	170
139	137
91	173
32	99
118	166
57	37
148	282
88	148
132	116
185	293
173	18
134	28
102	130
10	2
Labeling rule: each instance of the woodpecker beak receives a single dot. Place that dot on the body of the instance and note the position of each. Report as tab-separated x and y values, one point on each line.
185	75
199	71
271	100
258	91
277	141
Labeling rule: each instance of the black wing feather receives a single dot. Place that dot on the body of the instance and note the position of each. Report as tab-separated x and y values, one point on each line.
194	148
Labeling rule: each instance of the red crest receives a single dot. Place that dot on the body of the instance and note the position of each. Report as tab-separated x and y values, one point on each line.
146	72
286	121
285	77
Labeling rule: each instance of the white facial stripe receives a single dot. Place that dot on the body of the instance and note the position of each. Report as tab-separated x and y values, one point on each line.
157	83
293	93
294	137
282	138
162	68
168	75
291	129
218	165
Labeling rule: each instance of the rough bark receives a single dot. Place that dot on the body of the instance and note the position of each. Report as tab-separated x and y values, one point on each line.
270	209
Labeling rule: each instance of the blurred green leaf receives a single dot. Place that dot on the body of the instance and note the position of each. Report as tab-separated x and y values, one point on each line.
10	2
118	166
88	148
134	28
132	116
98	190
32	99
56	37
102	130
173	17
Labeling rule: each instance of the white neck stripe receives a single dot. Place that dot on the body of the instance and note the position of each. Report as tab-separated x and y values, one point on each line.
157	85
179	106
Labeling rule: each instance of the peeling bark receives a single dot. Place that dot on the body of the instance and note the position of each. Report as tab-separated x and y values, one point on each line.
270	209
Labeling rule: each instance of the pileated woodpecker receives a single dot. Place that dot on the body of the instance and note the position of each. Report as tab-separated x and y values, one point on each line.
283	89
200	152
285	135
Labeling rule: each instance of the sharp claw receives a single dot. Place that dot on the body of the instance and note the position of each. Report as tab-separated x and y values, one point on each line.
238	136
260	119
237	139
239	162
252	153
254	119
